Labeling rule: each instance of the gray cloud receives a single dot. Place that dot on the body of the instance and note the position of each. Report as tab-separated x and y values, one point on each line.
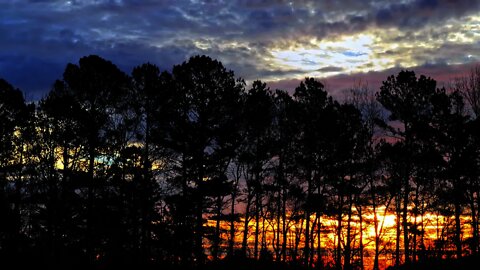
330	69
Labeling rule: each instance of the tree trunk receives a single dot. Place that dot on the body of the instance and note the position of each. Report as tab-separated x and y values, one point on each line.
217	236
231	243
319	242
406	245
473	211
377	237
284	223
458	230
89	222
338	262
312	242
145	193
347	251
306	251
361	237
415	224
422	238
278	249
246	222
397	242
199	255
257	224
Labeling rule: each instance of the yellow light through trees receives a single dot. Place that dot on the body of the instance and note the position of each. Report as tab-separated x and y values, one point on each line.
434	229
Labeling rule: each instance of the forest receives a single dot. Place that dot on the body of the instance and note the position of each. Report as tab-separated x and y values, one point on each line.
193	168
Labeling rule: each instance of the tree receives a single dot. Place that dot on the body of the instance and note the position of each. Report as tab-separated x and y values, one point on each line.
287	187
203	131
13	113
469	87
458	158
409	101
255	152
60	167
312	99
98	87
376	195
153	105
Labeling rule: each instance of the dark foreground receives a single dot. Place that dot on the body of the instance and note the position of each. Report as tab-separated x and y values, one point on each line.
471	262
36	262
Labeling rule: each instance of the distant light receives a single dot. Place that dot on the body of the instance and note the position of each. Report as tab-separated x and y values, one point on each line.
352	53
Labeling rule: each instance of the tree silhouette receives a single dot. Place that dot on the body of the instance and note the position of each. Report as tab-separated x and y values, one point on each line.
254	152
409	101
97	86
203	132
180	168
312	100
12	115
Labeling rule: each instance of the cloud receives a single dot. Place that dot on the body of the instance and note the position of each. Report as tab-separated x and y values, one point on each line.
252	37
330	69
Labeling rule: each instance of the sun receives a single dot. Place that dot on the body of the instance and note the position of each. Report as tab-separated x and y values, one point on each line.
328	57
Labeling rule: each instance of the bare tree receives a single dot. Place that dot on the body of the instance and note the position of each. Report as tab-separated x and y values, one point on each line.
469	87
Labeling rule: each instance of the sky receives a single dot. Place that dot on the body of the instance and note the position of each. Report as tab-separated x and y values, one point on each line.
340	42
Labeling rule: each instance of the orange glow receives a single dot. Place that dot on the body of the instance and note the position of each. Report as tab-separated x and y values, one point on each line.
435	228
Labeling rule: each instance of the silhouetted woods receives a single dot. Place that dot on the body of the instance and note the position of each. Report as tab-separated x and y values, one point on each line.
185	168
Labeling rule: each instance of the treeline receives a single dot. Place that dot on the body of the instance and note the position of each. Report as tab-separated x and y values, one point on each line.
182	168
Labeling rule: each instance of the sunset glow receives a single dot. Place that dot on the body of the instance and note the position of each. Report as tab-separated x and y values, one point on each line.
435	227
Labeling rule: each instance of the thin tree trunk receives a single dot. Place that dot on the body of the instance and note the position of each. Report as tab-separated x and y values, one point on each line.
306	250
360	215
312	242
217	236
284	223
474	226
458	230
338	262
89	222
422	237
415	225
278	248
231	243
319	242
406	244
199	233
477	243
377	236
144	228
246	222
52	224
397	242
347	251
199	255
257	224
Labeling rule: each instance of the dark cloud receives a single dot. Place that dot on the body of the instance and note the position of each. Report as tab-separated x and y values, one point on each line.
415	14
40	37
